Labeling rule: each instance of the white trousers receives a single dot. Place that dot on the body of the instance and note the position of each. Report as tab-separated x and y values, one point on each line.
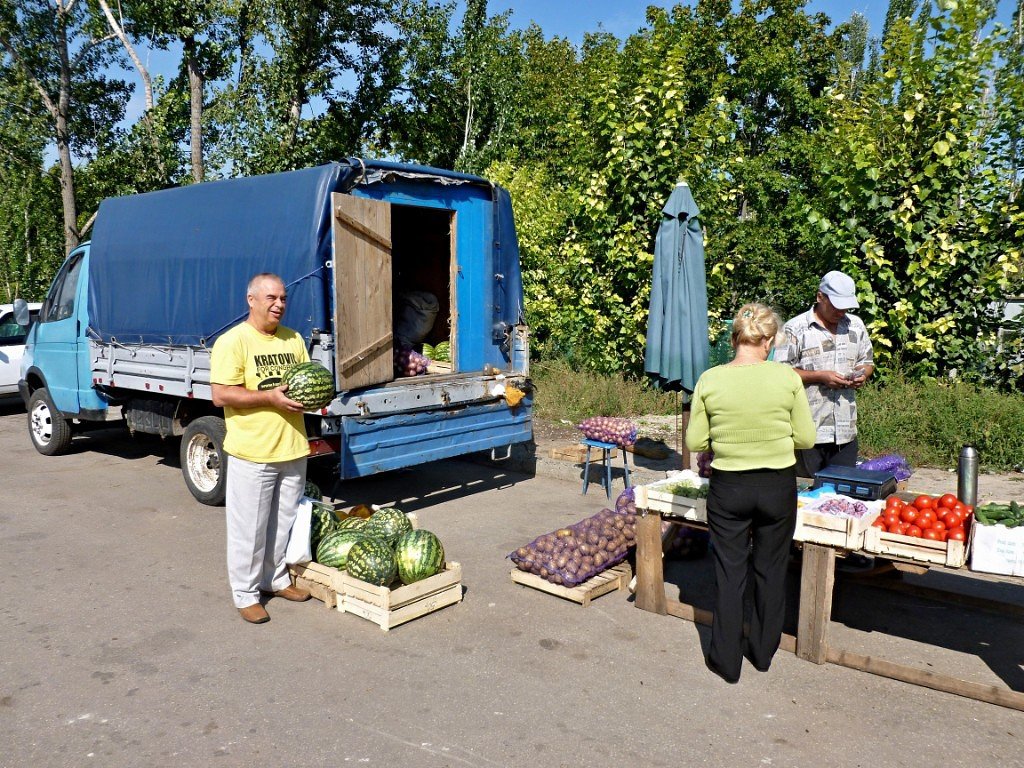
262	501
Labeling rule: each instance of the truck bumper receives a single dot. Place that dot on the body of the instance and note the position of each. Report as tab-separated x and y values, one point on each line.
376	445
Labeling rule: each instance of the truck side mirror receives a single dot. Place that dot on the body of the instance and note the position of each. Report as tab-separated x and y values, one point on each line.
21	316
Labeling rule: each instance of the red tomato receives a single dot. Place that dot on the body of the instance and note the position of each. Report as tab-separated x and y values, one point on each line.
925	519
952	519
891	516
923	502
968	510
956	534
913	530
931	533
879	522
898	528
948	501
960	507
894	501
902	527
908	514
939	526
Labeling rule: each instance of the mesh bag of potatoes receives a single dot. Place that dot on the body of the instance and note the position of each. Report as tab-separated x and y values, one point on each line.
570	556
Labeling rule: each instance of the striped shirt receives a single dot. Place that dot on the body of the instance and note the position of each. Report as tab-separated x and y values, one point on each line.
809	345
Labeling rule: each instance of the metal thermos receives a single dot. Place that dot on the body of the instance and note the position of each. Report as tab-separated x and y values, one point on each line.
967	475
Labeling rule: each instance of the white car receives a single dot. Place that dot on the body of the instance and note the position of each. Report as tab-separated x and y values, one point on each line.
12	347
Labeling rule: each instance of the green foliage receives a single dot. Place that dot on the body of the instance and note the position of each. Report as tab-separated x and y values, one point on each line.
928	422
917	198
566	393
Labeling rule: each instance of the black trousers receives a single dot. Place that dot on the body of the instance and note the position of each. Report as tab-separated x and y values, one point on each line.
810	460
759	508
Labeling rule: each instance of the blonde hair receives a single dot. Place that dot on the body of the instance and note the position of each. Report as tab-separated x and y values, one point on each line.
754	323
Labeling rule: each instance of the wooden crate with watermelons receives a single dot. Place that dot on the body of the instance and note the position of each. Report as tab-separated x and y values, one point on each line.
381	567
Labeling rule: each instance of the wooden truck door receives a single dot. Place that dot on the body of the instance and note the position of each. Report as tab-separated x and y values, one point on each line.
362	291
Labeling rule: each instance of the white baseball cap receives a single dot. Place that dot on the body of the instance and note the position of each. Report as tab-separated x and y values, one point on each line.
840	289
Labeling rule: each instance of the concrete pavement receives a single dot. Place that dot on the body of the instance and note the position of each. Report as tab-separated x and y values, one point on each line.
120	647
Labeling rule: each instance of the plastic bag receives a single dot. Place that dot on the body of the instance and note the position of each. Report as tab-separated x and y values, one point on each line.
891	462
409	362
570	556
298	550
414	316
609	429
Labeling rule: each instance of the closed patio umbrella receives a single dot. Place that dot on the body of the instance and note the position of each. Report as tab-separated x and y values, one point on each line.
677	328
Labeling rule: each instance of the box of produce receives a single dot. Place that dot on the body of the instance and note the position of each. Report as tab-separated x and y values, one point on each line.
997	541
615	578
834	520
682	495
922	528
388	607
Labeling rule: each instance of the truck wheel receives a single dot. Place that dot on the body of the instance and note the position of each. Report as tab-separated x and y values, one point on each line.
203	461
49	430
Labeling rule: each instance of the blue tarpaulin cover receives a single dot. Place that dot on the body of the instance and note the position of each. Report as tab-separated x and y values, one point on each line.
677	329
149	251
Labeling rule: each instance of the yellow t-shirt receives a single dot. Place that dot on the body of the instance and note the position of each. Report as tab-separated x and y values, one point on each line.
243	355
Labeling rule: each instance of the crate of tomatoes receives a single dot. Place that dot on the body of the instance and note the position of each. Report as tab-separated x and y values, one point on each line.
922	528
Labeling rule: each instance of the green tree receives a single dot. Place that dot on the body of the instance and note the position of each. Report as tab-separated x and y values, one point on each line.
918	193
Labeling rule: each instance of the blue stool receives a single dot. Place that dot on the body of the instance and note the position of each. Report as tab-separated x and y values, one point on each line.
606	459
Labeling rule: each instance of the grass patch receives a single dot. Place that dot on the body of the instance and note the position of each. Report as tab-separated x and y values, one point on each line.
928	422
571	395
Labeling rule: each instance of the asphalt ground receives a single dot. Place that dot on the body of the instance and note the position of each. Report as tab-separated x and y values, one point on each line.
119	645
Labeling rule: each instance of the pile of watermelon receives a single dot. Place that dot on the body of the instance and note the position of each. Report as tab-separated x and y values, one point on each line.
381	548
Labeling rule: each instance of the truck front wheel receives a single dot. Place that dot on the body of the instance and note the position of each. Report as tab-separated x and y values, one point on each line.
203	461
49	430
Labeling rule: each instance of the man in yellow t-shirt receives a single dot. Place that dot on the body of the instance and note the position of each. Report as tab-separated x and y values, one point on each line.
266	445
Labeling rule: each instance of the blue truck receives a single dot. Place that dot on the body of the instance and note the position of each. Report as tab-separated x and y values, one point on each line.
126	328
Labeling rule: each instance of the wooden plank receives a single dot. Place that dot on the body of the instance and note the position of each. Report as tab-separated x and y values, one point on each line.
952	554
831	530
701	616
389	599
362	291
351	222
325	595
386	618
577	454
385	340
615	578
650	570
991	694
817	575
997	607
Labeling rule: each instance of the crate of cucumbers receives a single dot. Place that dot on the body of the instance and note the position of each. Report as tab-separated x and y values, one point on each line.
997	541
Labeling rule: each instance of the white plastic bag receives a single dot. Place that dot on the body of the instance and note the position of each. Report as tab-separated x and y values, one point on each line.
298	540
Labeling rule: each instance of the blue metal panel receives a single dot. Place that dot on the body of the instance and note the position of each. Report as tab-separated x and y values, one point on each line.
405	440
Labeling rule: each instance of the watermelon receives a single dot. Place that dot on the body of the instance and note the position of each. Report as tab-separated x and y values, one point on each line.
312	490
419	555
371	560
388	524
336	546
321	522
310	384
353	523
442	352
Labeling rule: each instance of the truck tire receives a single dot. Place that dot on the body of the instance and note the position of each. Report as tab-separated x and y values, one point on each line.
49	430
203	461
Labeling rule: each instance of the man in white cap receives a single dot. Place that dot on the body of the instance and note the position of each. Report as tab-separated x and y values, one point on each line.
830	350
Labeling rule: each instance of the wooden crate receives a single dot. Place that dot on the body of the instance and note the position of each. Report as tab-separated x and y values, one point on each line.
614	578
322	582
577	453
655	499
952	554
390	607
832	530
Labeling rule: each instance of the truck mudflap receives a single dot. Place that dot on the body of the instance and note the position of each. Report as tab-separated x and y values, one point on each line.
371	445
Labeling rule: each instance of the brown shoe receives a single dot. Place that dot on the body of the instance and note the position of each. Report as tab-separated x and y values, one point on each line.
295	594
255	614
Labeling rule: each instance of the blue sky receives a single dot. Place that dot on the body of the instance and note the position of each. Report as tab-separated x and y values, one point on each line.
572	18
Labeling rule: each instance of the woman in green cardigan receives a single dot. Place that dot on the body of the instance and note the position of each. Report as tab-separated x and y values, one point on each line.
752	414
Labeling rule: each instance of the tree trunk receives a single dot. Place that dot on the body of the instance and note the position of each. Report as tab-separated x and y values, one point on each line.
196	83
67	169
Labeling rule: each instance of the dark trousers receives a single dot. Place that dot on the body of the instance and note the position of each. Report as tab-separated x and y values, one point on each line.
811	460
758	506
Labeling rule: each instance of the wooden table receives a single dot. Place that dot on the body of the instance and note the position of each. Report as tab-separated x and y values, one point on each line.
817	578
